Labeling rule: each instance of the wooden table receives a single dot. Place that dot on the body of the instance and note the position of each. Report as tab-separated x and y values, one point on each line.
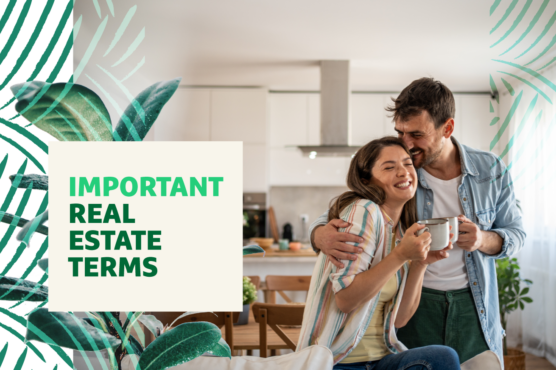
287	253
247	336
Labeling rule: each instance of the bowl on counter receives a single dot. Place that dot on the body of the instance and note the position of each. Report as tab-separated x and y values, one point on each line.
295	246
264	243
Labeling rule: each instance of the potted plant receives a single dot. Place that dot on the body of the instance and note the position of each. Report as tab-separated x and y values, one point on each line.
511	297
249	296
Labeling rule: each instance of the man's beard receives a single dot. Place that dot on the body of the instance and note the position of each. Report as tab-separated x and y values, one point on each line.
429	158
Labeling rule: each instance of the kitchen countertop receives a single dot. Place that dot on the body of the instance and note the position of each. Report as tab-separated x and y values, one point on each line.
276	253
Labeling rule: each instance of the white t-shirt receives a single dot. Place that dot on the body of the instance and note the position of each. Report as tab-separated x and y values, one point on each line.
450	273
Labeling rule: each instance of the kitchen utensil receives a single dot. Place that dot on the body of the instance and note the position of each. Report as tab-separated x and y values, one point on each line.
439	230
273	224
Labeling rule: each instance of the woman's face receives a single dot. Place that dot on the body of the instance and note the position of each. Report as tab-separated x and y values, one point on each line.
394	173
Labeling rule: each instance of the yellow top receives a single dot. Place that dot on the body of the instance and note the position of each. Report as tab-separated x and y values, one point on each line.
372	346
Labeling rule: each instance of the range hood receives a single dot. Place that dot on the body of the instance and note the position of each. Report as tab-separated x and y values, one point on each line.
334	112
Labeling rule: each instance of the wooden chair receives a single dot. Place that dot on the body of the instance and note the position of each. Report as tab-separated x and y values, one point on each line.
219	319
273	315
256	280
279	283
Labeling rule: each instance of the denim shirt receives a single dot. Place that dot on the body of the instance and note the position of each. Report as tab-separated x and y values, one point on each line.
487	197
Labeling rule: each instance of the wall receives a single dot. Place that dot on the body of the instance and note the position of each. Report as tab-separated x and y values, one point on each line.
290	202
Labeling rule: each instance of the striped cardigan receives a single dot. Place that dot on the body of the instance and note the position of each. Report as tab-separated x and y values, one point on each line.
323	322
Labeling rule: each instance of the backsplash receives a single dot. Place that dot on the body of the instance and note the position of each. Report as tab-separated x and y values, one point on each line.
290	202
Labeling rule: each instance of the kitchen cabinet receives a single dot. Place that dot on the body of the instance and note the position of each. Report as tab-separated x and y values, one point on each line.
369	120
294	119
186	117
255	168
238	115
221	115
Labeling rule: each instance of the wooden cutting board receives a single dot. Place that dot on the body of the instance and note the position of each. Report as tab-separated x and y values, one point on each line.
273	224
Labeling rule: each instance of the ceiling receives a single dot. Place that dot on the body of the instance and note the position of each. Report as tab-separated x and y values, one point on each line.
279	43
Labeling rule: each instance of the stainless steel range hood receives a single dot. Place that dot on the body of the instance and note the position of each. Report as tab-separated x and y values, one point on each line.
334	112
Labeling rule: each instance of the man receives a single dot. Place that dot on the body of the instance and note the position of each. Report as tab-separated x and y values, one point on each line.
459	300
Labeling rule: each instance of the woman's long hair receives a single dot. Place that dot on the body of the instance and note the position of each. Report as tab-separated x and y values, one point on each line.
359	181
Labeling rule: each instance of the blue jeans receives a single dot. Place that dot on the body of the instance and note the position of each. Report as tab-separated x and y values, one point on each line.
422	358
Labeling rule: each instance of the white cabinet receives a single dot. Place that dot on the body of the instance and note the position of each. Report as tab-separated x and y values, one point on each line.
255	168
221	115
369	119
238	115
186	117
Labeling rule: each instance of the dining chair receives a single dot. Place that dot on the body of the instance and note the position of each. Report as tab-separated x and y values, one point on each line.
280	283
256	280
276	315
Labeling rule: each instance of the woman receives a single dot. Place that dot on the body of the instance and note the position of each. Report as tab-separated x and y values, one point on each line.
355	310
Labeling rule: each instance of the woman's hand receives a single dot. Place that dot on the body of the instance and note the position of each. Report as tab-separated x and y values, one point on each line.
435	256
412	247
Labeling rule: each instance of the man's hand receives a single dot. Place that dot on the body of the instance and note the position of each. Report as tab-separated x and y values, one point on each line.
334	243
472	239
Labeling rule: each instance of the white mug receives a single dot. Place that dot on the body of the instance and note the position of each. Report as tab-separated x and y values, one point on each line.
439	229
454	222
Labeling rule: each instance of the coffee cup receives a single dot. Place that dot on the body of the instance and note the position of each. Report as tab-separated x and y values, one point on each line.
439	229
454	222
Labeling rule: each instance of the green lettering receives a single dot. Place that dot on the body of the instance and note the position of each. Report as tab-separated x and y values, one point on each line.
152	240
178	187
148	187
89	237
130	267
72	186
163	181
94	185
123	240
107	264
111	214
75	265
90	266
74	239
93	212
193	183
215	188
127	220
109	184
107	242
150	266
76	211
123	186
138	236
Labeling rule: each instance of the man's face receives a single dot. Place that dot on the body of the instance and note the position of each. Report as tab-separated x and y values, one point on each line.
423	140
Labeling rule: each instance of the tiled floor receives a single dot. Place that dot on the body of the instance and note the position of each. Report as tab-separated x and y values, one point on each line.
537	363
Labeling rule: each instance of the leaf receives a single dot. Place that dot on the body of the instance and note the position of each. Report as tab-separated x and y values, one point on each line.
137	348
151	100
527	299
38	182
220	349
524	291
128	325
521	305
181	344
187	314
252	249
152	323
30	227
52	324
43	264
79	115
21	288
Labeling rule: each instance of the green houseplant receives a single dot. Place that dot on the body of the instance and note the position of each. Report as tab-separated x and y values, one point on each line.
249	296
511	297
72	112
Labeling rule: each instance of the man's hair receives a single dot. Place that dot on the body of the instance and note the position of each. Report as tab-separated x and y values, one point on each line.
424	94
